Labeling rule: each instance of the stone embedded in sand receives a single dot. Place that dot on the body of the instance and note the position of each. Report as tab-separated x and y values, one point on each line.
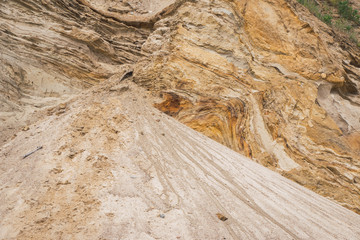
221	217
62	106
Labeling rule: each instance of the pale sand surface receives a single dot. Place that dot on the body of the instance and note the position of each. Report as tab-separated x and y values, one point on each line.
111	164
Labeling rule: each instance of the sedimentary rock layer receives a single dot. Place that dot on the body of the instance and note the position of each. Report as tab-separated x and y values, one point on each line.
53	49
263	77
266	79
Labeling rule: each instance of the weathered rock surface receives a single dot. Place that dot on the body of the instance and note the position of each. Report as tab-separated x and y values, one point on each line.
53	49
267	80
113	167
262	77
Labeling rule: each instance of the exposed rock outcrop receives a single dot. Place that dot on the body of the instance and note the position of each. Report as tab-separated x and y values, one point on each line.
262	77
56	48
267	80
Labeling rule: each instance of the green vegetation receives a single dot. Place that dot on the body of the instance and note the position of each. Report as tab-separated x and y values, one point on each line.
316	10
348	17
347	12
326	18
343	25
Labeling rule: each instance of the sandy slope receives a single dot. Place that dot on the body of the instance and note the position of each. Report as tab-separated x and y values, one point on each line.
111	164
265	78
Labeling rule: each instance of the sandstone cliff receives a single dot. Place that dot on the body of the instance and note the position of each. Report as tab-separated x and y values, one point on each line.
266	79
262	77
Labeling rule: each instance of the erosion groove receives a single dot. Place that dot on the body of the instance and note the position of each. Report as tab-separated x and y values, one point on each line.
108	170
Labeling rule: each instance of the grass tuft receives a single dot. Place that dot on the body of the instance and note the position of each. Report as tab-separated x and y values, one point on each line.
348	16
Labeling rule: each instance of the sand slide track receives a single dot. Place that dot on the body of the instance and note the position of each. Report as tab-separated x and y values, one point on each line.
150	164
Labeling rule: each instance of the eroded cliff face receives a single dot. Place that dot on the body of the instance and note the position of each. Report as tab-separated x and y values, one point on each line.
267	80
263	77
52	49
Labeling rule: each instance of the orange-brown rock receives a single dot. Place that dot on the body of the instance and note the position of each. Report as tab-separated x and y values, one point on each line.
266	79
262	77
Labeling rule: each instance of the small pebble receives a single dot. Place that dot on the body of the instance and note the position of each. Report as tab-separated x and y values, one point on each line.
62	106
221	217
162	215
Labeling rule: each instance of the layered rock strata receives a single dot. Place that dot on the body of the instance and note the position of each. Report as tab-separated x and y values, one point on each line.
263	77
53	49
266	79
